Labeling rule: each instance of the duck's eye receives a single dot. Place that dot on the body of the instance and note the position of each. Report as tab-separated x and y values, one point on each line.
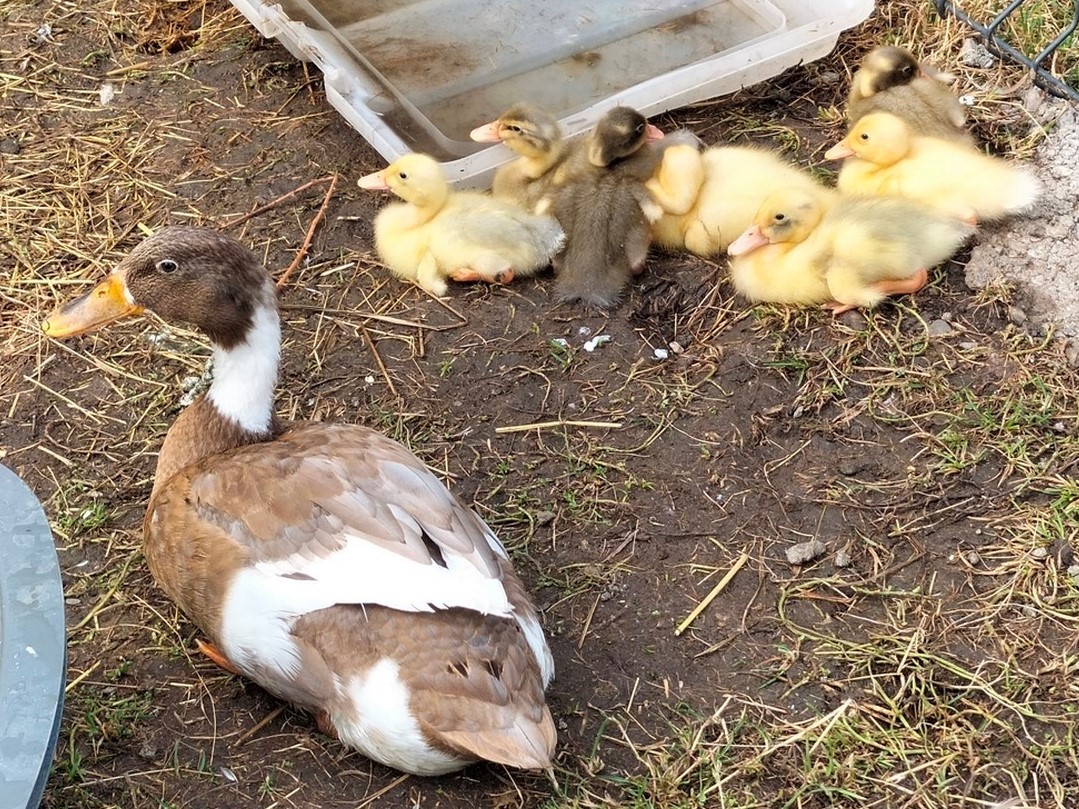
639	129
514	128
402	175
864	136
779	217
167	265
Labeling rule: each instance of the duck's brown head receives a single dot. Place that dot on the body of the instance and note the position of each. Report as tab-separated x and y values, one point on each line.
618	134
183	274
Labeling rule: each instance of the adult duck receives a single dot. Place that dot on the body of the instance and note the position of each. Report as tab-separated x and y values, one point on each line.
324	561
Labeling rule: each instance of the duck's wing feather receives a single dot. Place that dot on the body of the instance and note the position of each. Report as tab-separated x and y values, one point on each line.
323	515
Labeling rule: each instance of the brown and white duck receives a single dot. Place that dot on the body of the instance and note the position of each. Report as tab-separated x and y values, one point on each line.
324	561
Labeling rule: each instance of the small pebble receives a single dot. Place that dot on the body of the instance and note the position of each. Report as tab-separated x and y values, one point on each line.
675	346
975	54
10	146
1071	353
972	558
967	345
148	751
1073	571
1017	315
853	320
1028	611
852	466
842	558
661	353
544	517
1039	553
939	327
828	77
1033	99
805	551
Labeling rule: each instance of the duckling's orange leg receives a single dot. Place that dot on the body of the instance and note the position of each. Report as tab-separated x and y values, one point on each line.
217	656
466	274
904	286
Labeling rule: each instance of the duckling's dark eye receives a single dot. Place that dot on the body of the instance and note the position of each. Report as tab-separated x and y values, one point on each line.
907	70
864	136
167	265
780	217
639	129
402	175
513	128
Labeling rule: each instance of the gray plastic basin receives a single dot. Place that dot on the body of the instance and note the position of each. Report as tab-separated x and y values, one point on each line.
33	652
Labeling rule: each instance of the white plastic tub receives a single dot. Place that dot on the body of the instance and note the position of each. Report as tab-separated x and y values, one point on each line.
418	75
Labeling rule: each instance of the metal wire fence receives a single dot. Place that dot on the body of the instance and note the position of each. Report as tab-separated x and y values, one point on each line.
991	33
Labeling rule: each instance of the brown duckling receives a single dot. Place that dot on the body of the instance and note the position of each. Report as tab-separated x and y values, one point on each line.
598	195
891	80
534	134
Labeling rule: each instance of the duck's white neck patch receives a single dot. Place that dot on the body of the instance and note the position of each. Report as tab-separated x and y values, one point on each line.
246	374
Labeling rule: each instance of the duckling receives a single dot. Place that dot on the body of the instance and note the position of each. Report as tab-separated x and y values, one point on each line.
891	80
728	184
598	196
769	260
324	561
853	254
534	134
437	233
885	157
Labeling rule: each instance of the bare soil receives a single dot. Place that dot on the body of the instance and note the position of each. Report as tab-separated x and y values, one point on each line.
762	428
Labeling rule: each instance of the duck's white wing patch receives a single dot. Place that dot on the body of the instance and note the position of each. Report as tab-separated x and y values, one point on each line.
343	515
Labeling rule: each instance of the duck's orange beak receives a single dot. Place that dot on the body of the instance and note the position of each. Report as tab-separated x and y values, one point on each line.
653	133
839	151
108	301
374	182
488	133
748	242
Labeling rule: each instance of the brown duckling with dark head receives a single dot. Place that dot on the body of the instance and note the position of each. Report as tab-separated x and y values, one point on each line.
598	195
890	79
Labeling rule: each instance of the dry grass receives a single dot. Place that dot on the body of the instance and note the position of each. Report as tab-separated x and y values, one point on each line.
937	670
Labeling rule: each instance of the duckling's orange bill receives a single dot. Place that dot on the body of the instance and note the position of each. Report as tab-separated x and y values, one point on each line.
748	242
653	133
488	133
374	182
106	302
839	151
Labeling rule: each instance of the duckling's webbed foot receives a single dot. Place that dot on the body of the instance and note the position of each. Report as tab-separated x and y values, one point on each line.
217	656
837	308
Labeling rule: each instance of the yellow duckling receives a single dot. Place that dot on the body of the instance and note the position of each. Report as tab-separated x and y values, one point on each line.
725	186
534	134
885	157
437	233
890	79
770	260
852	254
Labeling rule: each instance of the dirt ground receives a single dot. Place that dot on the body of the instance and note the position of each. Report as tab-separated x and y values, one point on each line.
761	428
